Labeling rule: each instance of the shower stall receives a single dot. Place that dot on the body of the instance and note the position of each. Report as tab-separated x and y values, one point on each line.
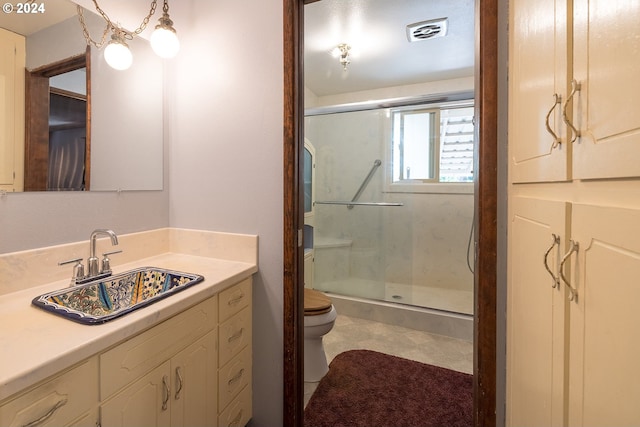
391	218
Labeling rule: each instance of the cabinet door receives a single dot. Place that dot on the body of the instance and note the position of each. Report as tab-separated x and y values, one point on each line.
537	314
604	385
537	72
143	403
195	384
12	61
607	42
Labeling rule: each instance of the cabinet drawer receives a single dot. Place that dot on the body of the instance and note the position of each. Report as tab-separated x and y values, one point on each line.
56	402
138	355
235	334
233	377
238	413
234	299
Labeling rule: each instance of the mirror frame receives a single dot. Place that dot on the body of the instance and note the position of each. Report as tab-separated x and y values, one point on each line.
486	198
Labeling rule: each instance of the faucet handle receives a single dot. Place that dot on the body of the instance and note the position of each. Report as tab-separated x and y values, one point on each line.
106	262
78	269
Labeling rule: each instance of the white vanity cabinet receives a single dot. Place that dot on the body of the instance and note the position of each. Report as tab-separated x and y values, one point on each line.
179	392
193	369
153	378
68	399
186	371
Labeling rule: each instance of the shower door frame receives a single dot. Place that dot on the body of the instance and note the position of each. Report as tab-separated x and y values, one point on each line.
486	206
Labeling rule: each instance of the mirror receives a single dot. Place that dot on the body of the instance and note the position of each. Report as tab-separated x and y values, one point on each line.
124	149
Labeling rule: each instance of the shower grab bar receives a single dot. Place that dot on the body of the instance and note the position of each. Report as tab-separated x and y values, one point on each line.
354	202
348	203
376	165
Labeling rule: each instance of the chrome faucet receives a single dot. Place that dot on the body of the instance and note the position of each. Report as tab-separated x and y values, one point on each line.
93	272
92	262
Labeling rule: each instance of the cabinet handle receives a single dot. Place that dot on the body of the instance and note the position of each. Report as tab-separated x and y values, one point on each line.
236	377
556	279
237	299
166	392
179	381
575	87
556	139
573	293
48	415
235	336
236	421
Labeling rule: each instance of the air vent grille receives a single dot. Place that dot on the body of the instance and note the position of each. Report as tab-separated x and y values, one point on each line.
427	29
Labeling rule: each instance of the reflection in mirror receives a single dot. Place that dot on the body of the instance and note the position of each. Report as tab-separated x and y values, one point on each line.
125	130
57	144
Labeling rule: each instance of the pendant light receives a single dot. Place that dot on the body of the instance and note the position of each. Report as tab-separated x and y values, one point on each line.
117	53
164	40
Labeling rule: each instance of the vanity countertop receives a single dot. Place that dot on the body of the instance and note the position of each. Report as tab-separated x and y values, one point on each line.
37	344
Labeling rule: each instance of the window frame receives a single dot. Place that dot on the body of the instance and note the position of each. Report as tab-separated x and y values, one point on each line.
420	185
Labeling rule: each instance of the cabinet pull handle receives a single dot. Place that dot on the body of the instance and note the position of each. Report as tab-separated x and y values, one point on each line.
573	293
575	87
236	377
237	299
235	336
179	381
556	279
556	139
166	392
236	421
48	415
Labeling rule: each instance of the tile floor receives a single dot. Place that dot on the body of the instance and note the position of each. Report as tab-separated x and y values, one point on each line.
350	333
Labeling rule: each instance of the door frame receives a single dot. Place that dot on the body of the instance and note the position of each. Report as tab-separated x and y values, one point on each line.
36	159
486	197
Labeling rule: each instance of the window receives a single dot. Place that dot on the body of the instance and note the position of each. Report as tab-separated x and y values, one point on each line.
433	145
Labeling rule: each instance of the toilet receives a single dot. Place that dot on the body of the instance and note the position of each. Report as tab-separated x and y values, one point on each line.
319	318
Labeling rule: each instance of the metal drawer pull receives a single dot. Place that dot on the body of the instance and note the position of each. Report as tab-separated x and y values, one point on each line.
165	392
235	336
236	377
556	279
180	381
573	293
556	139
237	299
575	87
48	415
236	421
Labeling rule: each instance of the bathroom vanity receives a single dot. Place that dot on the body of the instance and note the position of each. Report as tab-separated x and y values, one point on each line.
184	360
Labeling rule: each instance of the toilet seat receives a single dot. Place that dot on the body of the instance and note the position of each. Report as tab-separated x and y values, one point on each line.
315	303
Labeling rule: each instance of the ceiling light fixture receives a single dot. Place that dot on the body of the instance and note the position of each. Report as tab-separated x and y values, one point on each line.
164	40
342	52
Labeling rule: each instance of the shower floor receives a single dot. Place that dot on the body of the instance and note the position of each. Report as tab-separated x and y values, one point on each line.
452	300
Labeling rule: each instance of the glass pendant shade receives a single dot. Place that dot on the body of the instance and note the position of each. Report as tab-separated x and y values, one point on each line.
117	54
164	42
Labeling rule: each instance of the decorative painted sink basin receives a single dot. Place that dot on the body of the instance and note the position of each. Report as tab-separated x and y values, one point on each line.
114	296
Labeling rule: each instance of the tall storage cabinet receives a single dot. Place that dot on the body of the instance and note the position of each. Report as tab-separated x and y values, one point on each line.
574	213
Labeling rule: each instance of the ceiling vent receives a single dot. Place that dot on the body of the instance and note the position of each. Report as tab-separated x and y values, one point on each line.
427	29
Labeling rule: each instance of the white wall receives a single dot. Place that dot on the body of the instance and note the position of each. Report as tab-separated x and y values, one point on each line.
226	154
